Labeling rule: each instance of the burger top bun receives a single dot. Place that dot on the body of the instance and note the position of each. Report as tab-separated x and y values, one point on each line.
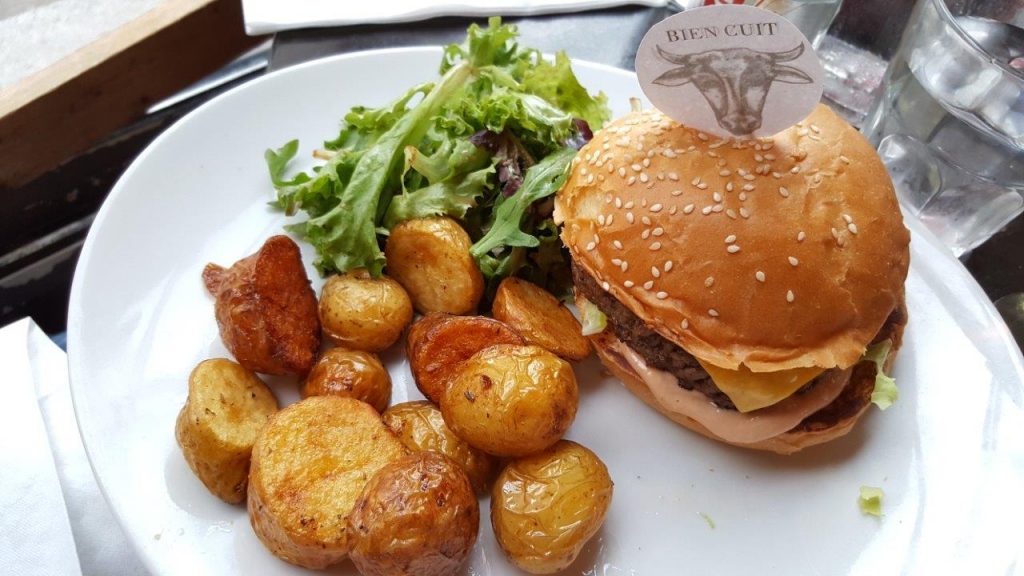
774	253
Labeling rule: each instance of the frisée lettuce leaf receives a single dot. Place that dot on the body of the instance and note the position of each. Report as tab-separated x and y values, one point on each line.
885	393
486	143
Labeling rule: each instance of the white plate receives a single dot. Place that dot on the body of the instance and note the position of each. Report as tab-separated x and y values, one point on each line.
949	454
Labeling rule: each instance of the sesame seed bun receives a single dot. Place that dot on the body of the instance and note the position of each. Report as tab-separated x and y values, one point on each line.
772	253
829	423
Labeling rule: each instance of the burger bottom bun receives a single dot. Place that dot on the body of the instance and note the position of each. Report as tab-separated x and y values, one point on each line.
829	423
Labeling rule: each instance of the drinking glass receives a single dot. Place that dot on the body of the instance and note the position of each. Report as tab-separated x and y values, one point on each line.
950	123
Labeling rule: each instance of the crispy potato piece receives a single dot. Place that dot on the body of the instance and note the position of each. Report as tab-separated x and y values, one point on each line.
510	400
420	426
266	309
352	374
364	313
438	343
545	507
430	258
309	465
226	408
540	318
416	516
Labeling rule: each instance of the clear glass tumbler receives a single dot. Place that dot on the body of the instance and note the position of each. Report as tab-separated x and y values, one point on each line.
950	123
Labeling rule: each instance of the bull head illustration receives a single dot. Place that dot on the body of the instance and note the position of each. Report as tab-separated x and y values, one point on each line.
734	81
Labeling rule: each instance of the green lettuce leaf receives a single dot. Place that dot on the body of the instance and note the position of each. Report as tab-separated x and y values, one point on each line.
556	83
870	500
593	320
885	392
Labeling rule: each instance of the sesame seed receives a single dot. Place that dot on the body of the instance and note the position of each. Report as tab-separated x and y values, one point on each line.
661	295
618	202
685	324
758	158
629	217
728	187
624	266
801	132
617	244
748	187
789	296
847	218
605	286
718	144
703	186
695	181
725	172
716	197
744	212
640	146
647	161
631	181
622	171
658	231
673	176
628	284
668	153
629	205
759	275
600	219
795	170
645	234
656	207
656	246
706	210
655	272
677	192
668	265
835	233
730	213
716	208
730	238
783	192
743	196
852	228
748	177
800	237
703	137
793	261
709	281
644	177
712	312
688	209
608	221
673	209
646	220
844	159
815	129
616	262
649	284
732	249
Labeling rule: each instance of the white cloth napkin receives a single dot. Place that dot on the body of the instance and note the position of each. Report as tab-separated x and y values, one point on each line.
266	16
53	518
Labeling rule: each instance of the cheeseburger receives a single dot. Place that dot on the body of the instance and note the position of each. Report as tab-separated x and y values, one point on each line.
742	280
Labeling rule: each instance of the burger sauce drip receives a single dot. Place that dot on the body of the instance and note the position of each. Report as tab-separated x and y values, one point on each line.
730	425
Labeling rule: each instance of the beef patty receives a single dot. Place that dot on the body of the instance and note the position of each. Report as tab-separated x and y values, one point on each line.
666	356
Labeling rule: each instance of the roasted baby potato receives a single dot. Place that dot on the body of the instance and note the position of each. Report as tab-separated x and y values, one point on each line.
309	465
266	309
226	408
438	343
352	374
364	313
420	426
430	258
510	400
540	318
546	506
416	516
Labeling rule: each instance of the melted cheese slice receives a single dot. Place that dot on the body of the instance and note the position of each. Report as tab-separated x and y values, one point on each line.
752	390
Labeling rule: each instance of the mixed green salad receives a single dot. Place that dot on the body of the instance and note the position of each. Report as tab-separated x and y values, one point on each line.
487	144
